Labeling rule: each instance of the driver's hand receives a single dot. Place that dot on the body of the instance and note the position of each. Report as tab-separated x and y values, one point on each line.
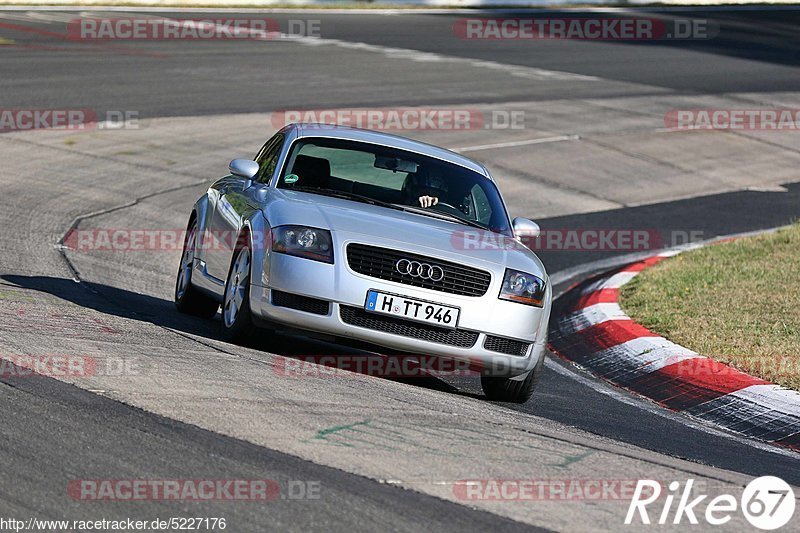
428	201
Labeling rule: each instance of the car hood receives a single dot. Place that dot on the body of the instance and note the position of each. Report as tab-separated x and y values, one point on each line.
352	221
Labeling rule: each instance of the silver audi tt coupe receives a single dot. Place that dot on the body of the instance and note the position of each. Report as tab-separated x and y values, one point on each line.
366	236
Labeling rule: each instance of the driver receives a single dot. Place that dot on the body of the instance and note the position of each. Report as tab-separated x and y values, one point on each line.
426	190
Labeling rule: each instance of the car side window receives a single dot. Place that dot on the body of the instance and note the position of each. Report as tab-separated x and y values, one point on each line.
483	209
267	158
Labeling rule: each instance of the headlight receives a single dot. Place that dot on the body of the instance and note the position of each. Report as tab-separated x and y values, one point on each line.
311	243
522	288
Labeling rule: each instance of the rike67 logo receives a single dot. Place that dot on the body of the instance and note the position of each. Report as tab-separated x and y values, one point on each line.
767	503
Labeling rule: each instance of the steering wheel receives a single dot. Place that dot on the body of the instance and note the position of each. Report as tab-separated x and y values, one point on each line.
448	207
445	204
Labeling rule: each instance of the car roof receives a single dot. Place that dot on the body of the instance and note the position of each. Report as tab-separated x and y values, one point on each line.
310	129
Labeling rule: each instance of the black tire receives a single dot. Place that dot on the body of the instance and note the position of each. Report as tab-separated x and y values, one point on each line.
241	329
188	299
499	389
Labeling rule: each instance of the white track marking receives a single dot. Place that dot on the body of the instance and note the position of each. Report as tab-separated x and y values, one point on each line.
590	316
408	54
647	354
51	17
607	389
770	396
652	408
25	17
510	144
430	57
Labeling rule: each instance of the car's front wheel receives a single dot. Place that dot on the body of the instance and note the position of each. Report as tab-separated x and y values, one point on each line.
187	298
237	323
512	390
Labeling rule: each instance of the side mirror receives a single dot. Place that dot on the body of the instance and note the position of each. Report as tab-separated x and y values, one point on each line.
524	228
244	168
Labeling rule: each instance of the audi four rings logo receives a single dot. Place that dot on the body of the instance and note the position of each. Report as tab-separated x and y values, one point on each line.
416	269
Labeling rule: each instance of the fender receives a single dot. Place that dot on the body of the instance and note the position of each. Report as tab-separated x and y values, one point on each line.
202	209
260	241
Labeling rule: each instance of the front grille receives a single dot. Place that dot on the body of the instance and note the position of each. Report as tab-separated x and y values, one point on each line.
453	337
301	303
380	263
508	346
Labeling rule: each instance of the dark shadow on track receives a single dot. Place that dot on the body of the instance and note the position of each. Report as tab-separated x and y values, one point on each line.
764	35
673	223
558	397
134	306
704	218
102	439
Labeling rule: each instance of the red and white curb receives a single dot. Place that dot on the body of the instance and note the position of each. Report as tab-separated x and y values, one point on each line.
592	330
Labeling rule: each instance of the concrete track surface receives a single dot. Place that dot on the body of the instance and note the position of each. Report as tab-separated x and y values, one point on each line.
593	152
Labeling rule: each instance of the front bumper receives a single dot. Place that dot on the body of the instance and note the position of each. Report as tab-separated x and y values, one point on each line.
346	292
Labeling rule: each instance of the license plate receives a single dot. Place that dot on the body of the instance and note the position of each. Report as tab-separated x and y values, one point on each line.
412	309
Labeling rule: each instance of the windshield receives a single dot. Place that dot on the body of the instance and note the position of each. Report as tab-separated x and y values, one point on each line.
394	178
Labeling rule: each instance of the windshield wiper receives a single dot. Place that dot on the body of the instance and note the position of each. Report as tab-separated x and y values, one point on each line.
442	216
346	195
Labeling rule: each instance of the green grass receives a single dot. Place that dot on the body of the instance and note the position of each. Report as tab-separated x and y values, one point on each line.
736	302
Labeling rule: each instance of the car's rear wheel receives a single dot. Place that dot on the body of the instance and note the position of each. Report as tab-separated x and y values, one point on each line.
187	298
237	321
510	390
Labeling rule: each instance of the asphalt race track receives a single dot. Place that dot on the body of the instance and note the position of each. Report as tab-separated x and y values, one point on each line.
593	153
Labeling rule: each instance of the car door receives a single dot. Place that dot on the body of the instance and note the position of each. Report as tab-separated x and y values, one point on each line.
235	202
